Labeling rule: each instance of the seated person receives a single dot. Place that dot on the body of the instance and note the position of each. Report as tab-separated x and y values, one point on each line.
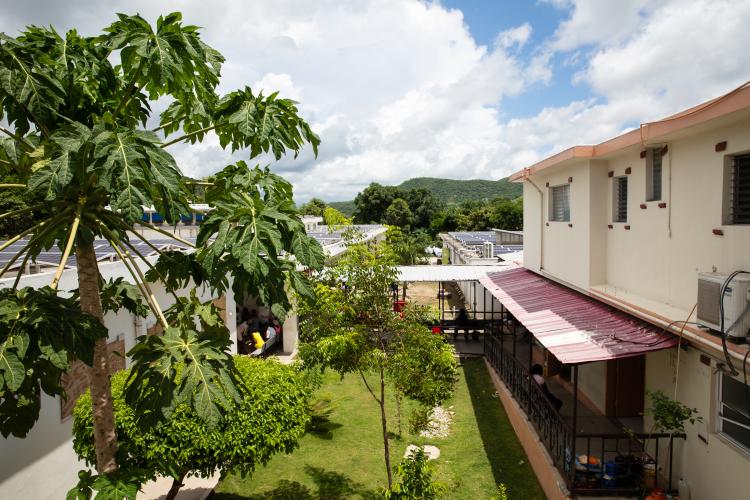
537	372
258	340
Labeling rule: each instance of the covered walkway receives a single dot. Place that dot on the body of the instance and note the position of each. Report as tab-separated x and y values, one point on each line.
543	322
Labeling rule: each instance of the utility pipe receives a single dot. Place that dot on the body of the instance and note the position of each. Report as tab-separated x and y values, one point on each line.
526	177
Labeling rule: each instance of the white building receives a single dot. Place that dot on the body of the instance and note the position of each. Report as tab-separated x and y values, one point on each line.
631	223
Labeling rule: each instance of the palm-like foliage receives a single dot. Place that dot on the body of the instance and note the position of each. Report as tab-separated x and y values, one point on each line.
77	140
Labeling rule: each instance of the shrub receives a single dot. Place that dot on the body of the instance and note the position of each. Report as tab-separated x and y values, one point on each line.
271	418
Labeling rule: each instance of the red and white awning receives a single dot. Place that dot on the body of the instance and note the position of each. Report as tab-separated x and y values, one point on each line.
574	327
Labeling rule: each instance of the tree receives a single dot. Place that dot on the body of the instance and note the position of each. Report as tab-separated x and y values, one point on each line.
423	206
76	109
372	202
349	325
398	214
507	214
409	247
313	207
335	219
271	417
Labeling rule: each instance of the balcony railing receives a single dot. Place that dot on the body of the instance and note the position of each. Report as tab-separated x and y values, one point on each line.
609	464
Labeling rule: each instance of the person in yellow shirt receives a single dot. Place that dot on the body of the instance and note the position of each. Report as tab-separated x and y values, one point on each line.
258	340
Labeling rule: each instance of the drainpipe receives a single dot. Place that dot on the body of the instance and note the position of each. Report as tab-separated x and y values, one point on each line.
669	201
527	178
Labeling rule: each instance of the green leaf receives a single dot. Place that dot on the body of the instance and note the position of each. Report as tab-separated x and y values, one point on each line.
12	369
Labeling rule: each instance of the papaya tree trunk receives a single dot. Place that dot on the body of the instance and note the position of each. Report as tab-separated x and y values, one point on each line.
384	422
105	438
176	485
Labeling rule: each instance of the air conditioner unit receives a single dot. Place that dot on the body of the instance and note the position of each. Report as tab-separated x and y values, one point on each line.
488	250
736	306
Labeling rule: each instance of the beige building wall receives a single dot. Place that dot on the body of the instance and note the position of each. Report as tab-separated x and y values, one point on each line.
660	256
656	259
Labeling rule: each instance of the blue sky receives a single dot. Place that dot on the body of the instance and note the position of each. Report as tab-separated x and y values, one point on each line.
487	18
458	89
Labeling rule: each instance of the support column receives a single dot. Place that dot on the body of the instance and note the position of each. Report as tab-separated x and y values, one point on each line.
575	427
290	333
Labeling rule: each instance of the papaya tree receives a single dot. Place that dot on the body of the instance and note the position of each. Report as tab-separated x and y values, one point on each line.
81	135
349	325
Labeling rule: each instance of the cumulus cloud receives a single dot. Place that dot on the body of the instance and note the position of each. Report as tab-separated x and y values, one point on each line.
400	88
514	37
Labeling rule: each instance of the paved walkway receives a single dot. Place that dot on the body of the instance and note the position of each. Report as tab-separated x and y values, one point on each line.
195	488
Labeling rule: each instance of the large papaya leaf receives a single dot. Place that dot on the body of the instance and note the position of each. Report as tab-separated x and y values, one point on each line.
40	334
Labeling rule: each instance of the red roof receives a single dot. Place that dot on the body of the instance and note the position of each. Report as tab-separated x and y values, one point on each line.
573	326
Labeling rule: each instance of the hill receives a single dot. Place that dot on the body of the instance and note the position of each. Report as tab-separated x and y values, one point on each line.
458	191
345	207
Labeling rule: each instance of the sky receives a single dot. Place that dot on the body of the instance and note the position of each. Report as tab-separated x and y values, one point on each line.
460	89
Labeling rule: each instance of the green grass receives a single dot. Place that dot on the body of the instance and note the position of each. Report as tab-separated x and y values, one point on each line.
346	460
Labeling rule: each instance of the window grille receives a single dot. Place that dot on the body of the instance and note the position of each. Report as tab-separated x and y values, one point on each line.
559	207
734	414
654	174
739	189
621	200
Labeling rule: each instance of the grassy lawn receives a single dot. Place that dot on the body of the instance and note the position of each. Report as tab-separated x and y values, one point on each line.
347	461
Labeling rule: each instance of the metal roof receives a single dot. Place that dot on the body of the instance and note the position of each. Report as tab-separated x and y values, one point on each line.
446	273
103	249
574	327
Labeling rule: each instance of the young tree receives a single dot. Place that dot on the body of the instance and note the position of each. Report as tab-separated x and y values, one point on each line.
335	219
271	418
349	325
77	108
409	248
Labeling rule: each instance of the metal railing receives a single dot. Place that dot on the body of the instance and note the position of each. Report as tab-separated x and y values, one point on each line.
625	464
552	429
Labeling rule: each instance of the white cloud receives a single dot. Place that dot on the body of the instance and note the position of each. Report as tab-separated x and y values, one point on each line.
399	88
514	37
601	21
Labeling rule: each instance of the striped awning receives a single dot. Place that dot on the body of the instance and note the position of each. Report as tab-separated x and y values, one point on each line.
574	327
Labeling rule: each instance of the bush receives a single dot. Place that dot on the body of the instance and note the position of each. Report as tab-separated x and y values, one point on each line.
416	479
271	418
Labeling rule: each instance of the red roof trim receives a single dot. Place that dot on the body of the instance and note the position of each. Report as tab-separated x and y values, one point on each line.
574	327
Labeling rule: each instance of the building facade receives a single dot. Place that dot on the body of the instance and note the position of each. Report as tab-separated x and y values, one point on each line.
631	223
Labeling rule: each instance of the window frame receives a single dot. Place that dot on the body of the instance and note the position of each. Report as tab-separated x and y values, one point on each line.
718	412
731	195
616	209
551	216
650	187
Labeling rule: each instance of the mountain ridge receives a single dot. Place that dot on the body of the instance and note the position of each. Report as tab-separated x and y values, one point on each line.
450	191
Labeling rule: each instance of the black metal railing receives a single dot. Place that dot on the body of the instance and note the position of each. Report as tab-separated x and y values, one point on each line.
619	464
552	429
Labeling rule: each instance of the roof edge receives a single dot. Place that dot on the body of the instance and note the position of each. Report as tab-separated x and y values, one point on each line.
726	104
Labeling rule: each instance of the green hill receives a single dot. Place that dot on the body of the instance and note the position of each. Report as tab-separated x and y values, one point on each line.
450	191
457	191
345	207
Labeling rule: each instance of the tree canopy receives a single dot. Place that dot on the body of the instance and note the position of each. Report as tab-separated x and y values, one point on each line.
77	109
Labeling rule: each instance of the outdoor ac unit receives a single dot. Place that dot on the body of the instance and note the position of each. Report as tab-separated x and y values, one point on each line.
736	306
488	250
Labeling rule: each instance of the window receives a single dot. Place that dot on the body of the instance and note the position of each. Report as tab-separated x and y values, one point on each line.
559	206
739	189
653	174
620	197
734	414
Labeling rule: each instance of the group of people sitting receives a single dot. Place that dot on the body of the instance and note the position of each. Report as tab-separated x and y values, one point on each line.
254	332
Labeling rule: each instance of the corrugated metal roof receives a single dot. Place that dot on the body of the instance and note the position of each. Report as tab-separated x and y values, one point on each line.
446	273
574	327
